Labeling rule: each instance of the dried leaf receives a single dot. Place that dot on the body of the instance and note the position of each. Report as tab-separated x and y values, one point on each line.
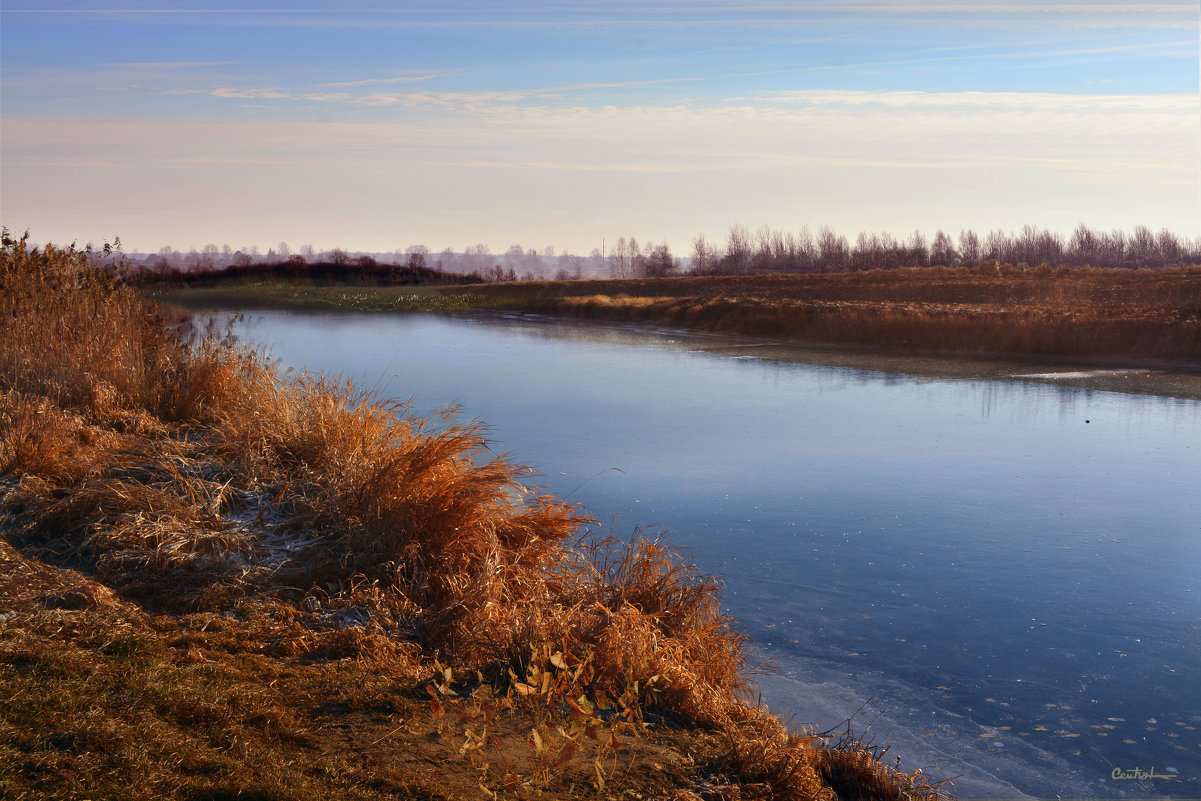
567	752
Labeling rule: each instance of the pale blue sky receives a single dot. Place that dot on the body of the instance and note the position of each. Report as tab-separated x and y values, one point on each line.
392	124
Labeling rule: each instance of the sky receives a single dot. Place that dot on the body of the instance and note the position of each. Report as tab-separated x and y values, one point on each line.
375	126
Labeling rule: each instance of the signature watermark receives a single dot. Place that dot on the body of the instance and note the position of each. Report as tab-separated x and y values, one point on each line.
1138	774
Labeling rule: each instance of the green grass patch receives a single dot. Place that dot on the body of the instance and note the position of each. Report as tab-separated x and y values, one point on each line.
274	295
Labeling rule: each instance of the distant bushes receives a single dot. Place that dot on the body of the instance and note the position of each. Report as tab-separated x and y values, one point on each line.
356	270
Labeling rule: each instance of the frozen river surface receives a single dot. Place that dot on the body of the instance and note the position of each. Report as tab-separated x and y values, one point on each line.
999	577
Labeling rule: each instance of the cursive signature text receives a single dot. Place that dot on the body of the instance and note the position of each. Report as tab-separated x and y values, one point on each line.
1137	774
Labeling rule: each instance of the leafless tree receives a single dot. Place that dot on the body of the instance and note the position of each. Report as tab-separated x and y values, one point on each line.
833	250
738	251
704	257
969	247
659	263
418	255
942	251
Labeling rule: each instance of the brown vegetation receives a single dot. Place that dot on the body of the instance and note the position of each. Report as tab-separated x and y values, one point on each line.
1118	315
219	583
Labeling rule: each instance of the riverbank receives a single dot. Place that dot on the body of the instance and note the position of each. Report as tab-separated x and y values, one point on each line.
217	582
1100	318
1114	317
1172	381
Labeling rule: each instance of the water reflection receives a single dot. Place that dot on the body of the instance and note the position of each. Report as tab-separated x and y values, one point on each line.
1006	566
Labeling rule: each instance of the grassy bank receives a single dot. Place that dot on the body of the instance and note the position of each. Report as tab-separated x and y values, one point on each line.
221	583
307	296
1135	316
1121	316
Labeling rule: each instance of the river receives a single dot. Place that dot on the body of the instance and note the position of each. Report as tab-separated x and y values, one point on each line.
997	576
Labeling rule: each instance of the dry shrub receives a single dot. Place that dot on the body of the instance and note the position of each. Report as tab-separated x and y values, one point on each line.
69	330
41	439
206	381
382	497
660	616
762	759
856	771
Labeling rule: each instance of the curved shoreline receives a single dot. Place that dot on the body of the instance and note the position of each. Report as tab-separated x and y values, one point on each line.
1157	379
1130	331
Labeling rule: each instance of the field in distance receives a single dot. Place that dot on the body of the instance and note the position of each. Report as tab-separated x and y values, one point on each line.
1116	316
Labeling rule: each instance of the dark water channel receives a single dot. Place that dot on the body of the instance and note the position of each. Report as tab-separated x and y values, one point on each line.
999	577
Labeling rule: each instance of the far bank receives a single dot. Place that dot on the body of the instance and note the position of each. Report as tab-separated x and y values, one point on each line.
1116	319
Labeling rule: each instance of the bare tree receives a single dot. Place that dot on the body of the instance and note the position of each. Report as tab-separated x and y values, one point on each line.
1141	248
619	259
942	251
1170	249
167	257
208	256
418	255
704	257
738	251
969	247
833	250
659	263
865	255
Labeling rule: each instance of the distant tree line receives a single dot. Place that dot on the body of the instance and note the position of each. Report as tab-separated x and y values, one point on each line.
768	251
743	252
340	268
414	264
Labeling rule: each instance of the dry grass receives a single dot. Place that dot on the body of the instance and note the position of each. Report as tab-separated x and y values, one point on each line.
1118	315
202	557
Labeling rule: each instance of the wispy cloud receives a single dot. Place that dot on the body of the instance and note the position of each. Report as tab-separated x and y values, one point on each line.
166	66
123	74
895	129
984	101
461	102
728	110
622	15
234	93
395	79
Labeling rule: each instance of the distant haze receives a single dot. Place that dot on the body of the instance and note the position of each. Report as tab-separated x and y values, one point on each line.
475	122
